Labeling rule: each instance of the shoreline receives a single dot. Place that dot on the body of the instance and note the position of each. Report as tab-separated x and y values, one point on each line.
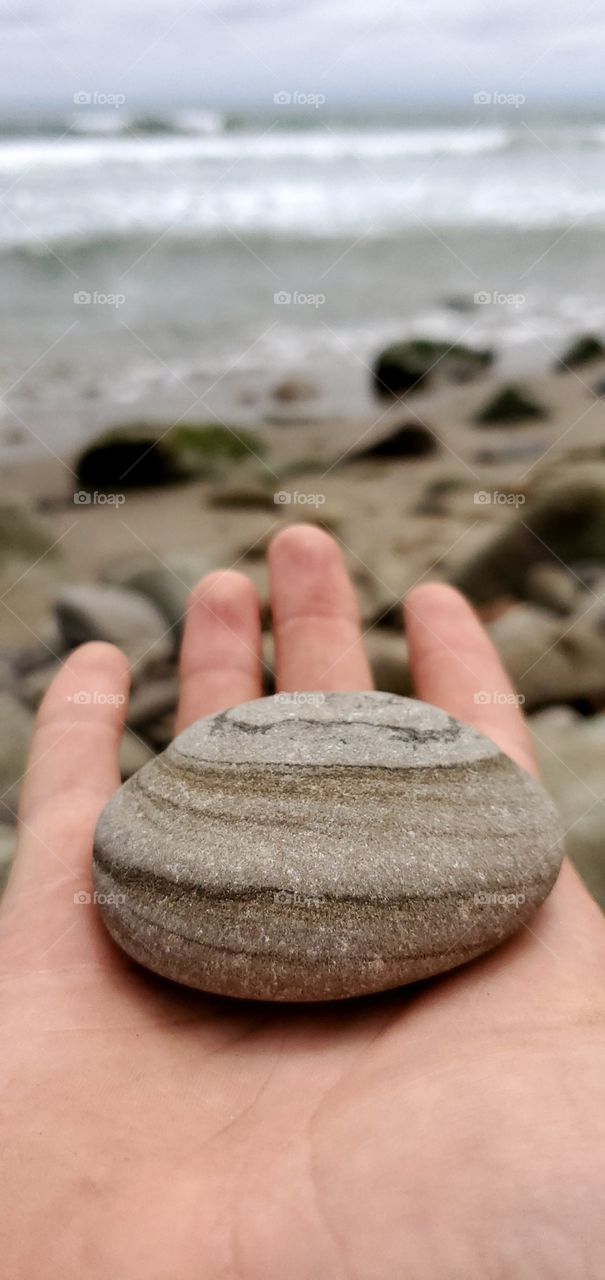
381	509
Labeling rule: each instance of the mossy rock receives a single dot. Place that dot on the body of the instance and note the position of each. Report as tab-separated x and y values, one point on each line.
509	406
405	440
581	351
139	455
405	366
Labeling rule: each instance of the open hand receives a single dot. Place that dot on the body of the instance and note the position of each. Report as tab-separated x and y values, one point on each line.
451	1131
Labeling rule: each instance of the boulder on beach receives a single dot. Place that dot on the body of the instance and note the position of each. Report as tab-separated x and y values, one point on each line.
510	406
125	618
563	524
552	659
405	440
140	454
167	584
581	351
404	366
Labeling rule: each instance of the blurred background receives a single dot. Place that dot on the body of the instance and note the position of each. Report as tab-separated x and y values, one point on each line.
263	261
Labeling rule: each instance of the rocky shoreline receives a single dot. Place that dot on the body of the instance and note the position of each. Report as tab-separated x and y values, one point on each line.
495	487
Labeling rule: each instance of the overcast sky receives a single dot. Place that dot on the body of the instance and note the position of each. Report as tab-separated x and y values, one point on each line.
239	52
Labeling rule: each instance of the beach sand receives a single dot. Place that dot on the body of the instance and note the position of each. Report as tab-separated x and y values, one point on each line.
399	521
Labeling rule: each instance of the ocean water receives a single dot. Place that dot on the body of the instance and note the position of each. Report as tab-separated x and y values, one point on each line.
184	262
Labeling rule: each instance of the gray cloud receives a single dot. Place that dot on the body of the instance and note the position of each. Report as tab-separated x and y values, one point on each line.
234	52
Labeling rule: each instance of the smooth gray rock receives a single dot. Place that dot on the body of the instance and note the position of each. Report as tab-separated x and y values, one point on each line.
319	846
552	659
167	585
564	522
125	618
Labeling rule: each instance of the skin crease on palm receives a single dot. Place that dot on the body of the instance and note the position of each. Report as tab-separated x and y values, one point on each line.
452	1131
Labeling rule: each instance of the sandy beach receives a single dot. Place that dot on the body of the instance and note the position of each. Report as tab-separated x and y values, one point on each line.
430	511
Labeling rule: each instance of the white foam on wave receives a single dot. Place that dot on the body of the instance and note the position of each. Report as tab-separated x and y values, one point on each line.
307	184
110	138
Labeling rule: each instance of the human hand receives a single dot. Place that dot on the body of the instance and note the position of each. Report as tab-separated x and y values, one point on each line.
148	1132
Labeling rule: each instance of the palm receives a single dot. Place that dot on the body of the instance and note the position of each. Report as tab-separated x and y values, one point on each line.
446	1131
